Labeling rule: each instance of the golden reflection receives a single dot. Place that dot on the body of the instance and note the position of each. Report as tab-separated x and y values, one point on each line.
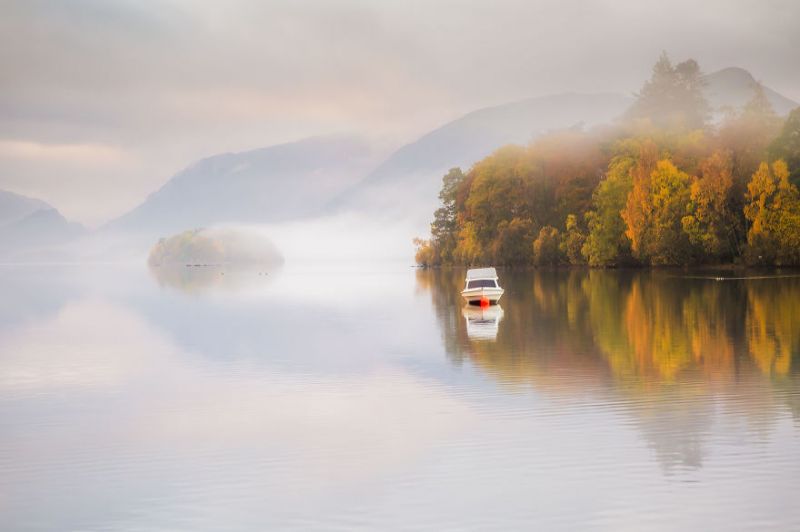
636	328
660	340
657	346
773	324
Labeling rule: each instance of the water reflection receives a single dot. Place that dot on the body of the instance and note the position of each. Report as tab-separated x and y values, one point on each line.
663	350
275	403
638	327
26	294
199	279
482	322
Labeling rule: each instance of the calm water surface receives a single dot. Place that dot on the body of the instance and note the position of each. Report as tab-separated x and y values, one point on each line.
368	398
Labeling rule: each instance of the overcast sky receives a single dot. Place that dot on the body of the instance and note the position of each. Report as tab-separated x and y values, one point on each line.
101	102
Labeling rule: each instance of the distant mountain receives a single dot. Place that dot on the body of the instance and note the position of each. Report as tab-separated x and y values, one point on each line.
28	225
14	207
271	184
733	87
469	138
413	173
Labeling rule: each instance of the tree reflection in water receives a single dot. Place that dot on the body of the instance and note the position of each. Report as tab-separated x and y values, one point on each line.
666	348
205	278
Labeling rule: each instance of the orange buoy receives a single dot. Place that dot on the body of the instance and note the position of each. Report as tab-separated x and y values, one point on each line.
484	302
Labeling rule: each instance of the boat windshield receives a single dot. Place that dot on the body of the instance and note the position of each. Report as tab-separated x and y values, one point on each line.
482	283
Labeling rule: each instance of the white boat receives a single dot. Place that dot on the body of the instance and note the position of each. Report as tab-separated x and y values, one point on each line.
482	287
482	322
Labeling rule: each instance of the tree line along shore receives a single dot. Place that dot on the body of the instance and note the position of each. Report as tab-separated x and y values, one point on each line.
668	184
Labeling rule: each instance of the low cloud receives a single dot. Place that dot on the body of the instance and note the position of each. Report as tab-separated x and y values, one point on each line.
85	154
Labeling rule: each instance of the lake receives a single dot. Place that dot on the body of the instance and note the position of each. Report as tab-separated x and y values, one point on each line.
341	397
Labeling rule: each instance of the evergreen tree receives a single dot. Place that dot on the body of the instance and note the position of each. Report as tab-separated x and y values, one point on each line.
673	96
444	228
787	146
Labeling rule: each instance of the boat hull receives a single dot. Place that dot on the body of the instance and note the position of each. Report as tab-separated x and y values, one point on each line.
475	295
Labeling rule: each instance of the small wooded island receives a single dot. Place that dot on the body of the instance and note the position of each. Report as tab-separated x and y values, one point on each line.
215	247
665	185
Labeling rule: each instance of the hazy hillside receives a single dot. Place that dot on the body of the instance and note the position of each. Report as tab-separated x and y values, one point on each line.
28	225
265	185
14	207
474	135
413	173
733	87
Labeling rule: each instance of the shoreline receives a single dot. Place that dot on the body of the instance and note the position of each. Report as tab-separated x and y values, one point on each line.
642	268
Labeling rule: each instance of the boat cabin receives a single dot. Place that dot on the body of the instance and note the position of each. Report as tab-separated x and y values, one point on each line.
481	286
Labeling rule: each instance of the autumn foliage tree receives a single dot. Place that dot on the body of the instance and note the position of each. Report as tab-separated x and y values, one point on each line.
545	247
661	187
709	222
637	212
607	244
773	210
572	242
654	213
512	244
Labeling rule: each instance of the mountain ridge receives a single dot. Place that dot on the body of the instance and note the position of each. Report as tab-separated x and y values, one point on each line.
269	184
733	87
227	188
30	223
15	206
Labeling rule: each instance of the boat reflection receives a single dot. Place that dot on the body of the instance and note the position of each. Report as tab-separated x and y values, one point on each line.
482	322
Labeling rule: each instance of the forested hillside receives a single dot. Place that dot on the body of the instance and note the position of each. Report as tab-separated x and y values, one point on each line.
663	186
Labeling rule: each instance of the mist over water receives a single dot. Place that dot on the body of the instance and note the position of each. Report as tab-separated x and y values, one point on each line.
233	399
356	237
